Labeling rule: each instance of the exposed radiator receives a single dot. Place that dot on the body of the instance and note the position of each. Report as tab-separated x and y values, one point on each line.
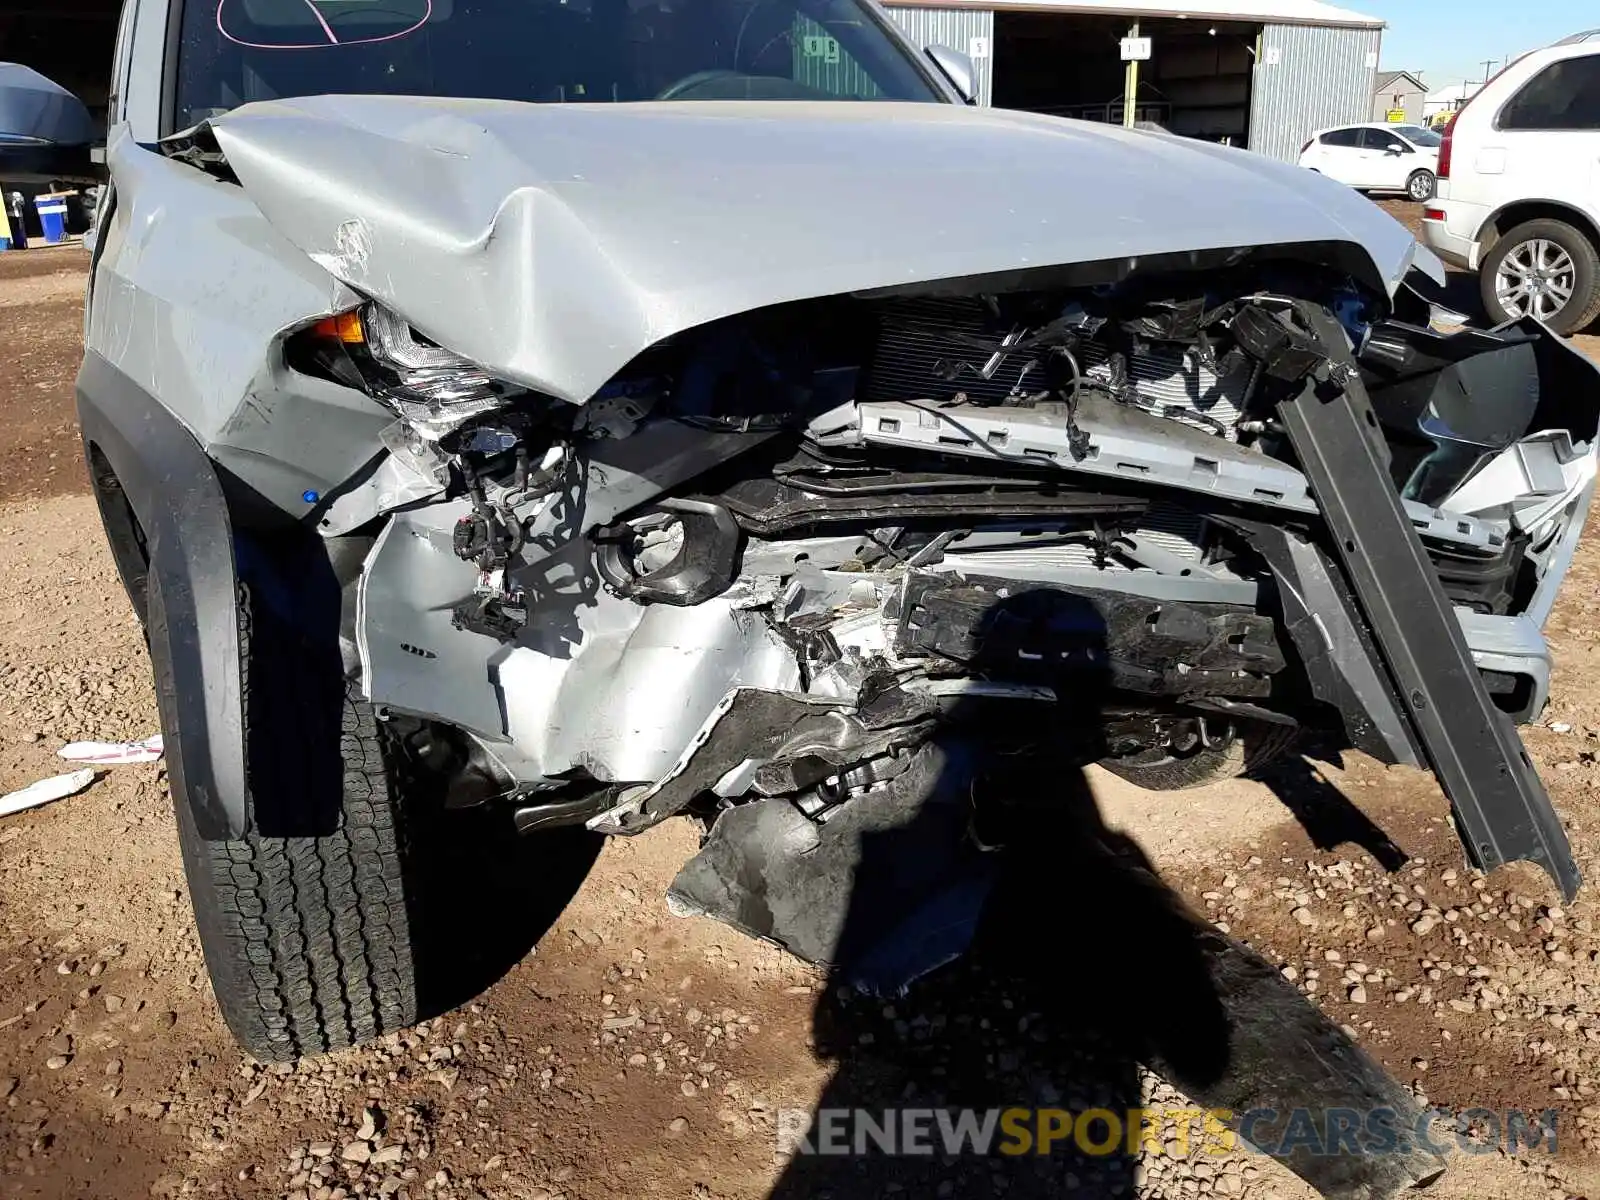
1175	530
915	340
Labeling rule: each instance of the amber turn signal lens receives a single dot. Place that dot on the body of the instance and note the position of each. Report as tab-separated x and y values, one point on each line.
342	327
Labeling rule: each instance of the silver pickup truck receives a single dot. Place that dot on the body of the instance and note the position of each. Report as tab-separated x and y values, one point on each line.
615	413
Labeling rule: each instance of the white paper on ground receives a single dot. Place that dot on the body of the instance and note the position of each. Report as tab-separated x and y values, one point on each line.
57	787
113	754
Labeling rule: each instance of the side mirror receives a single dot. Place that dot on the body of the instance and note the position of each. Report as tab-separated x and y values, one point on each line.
958	68
1397	151
46	133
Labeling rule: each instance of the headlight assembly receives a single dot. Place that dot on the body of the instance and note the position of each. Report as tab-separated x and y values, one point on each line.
433	390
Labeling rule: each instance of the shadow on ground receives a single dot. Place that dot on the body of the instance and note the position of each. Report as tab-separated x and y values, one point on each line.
1324	812
488	897
1084	968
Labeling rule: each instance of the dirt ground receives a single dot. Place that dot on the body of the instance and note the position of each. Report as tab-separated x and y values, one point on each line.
616	1050
41	341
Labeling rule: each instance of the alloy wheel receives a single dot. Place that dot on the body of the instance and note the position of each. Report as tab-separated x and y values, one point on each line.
1536	279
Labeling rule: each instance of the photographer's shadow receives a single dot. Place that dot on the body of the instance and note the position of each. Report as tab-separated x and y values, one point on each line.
1083	969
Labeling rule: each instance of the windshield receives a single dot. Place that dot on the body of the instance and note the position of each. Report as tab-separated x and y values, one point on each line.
546	51
1418	136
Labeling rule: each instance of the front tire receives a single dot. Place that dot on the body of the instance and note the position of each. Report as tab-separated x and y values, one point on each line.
1545	269
304	920
1421	185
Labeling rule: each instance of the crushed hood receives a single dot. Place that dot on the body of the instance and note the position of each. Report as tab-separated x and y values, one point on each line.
553	243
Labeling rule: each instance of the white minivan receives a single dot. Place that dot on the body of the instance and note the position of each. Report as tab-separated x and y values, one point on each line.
1376	157
1519	187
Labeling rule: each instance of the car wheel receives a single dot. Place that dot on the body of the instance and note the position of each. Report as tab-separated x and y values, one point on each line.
1545	269
1255	746
1420	186
305	928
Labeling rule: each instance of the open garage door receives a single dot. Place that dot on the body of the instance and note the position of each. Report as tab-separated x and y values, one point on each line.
1197	81
69	42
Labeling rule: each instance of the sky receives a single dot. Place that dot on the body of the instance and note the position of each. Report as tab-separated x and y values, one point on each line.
1448	40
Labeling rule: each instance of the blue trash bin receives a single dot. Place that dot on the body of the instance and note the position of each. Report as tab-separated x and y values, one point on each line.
52	218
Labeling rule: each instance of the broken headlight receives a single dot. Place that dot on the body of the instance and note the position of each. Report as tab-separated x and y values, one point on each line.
433	390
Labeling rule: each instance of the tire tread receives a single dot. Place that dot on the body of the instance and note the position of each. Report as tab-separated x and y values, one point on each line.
307	938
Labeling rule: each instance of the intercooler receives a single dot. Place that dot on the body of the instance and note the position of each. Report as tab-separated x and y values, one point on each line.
919	358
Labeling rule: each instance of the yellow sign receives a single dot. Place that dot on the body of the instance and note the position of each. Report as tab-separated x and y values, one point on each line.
1396	116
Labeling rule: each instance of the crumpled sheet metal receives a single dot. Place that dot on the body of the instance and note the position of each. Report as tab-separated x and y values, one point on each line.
888	889
553	243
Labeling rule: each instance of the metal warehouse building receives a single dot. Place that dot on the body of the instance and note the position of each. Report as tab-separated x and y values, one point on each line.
1256	73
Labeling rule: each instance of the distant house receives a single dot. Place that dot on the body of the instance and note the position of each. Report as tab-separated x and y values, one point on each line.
1397	97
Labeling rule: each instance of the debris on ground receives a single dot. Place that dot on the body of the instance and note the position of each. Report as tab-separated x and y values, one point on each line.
45	791
113	754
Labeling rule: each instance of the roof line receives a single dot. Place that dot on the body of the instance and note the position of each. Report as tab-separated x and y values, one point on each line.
1068	7
1393	75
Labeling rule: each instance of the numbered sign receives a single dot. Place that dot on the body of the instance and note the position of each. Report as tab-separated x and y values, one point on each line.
820	45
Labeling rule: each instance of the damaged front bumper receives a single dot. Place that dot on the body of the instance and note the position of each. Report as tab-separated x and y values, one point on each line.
1202	519
757	714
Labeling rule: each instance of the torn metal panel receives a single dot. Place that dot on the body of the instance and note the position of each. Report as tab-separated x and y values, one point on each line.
599	705
889	888
581	687
795	741
515	234
1500	804
412	657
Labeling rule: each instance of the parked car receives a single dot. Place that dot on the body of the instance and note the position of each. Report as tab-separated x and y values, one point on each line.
1374	157
677	454
1519	188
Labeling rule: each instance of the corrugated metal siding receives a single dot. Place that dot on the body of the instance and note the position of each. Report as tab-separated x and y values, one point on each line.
1307	77
956	28
820	62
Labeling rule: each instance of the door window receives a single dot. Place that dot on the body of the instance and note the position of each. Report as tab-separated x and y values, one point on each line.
1565	95
1418	136
1347	138
1382	141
